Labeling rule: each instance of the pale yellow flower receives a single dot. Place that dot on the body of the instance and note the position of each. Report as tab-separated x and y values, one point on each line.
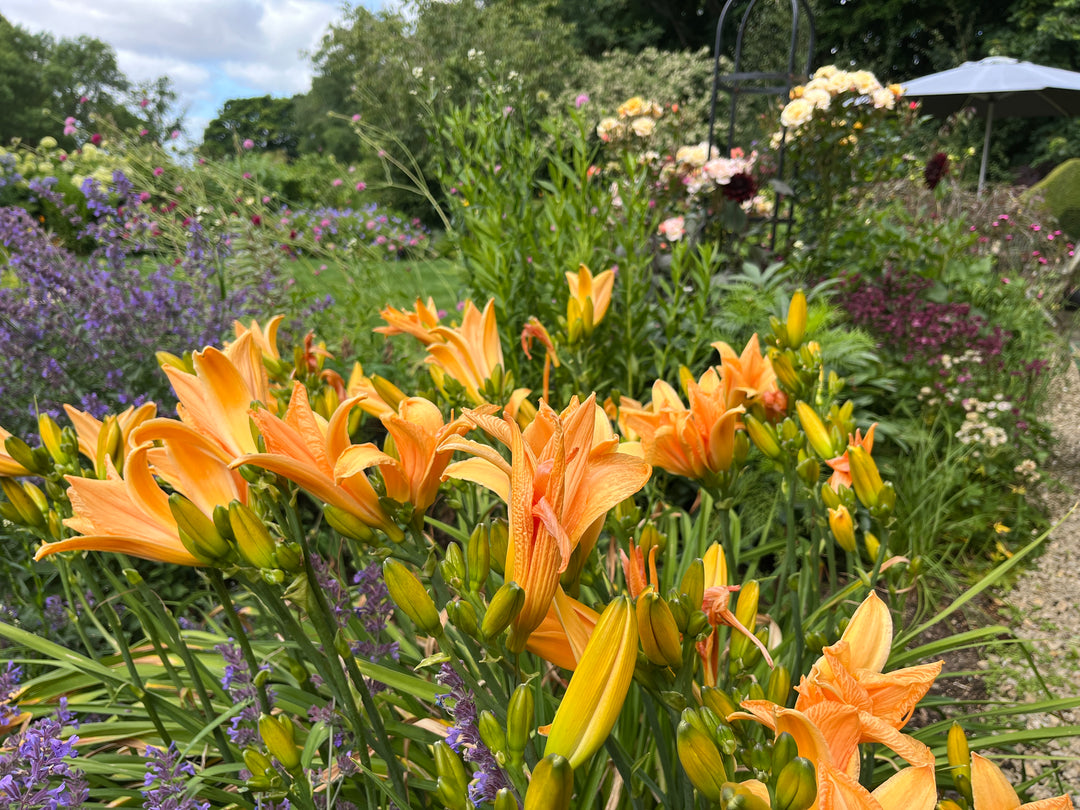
797	113
644	126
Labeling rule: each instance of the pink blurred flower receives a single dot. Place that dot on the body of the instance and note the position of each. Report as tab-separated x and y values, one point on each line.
356	117
337	181
361	186
249	144
69	130
247	175
83	99
144	103
144	132
581	100
158	171
63	157
266	199
144	196
95	139
69	121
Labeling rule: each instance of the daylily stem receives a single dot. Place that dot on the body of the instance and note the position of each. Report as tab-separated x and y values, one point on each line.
789	555
238	631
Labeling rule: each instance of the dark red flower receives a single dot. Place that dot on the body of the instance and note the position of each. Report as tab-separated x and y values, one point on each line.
936	168
740	188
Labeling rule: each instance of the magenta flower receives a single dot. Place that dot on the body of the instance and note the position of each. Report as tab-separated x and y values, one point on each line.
144	103
356	117
144	132
69	121
69	130
337	181
249	144
247	175
158	171
95	139
361	186
581	100
83	99
174	134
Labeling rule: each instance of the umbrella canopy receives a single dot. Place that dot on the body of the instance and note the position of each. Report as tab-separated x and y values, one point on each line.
998	86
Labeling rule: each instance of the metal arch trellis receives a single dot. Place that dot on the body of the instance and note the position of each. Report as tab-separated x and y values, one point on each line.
761	83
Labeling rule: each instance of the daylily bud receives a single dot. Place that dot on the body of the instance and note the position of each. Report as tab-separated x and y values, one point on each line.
737	796
37	496
453	566
452	785
872	545
763	436
479	557
959	759
110	444
220	516
198	532
719	701
843	528
741	448
23	455
627	511
264	775
746	612
779	686
502	609
519	721
348	524
552	784
24	506
277	735
492	733
463	615
700	758
51	437
815	431
697	624
651	537
387	391
679	610
865	477
409	594
499	540
829	496
253	540
693	583
785	371
784	750
808	469
658	631
796	319
167	359
505	800
598	687
796	785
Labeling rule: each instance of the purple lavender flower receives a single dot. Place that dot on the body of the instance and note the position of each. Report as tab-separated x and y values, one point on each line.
166	777
35	770
464	737
9	685
55	614
239	683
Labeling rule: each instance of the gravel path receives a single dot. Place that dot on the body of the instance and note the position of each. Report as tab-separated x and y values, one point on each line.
1043	608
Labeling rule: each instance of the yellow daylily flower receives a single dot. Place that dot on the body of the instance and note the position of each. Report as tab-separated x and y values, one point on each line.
419	323
413	465
131	514
266	339
599	686
560	481
9	468
304	448
378	396
564	632
589	299
696	442
990	790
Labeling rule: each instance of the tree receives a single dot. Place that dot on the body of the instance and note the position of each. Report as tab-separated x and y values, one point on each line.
269	122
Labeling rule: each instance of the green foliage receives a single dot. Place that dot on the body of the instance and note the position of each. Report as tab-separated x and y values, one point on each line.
1060	191
270	123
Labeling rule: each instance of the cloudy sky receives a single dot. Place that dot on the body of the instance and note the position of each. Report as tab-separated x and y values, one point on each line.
212	50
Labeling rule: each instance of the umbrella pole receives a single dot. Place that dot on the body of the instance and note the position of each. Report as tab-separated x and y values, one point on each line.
986	147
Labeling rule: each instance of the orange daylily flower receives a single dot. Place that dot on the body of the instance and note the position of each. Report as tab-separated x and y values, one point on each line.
216	399
131	514
419	324
563	633
413	466
88	431
715	605
304	448
534	330
990	790
9	468
841	465
637	577
265	339
696	442
747	377
559	482
589	299
378	396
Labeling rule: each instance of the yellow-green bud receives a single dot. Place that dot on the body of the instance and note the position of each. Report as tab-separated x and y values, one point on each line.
498	541
746	607
51	437
658	632
463	615
492	732
22	454
198	532
505	800
796	319
503	608
411	597
452	786
552	784
796	785
763	436
784	750
23	504
277	735
479	558
453	566
719	701
808	469
700	757
865	477
693	583
843	527
253	540
347	524
697	624
778	688
519	721
959	756
785	370
816	433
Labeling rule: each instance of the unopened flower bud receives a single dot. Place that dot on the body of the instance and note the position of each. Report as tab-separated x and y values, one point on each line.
253	540
410	595
502	609
959	755
479	557
784	750
23	455
865	477
492	733
779	686
277	735
700	757
505	800
198	532
719	701
659	633
843	527
348	524
519	721
763	436
796	785
552	784
498	540
746	606
27	512
796	319
453	566
463	615
452	785
693	583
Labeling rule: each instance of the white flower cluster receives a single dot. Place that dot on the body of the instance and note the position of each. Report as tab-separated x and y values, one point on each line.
701	170
978	428
1028	470
970	356
828	83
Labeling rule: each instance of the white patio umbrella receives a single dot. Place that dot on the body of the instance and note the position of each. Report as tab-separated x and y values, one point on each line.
1001	86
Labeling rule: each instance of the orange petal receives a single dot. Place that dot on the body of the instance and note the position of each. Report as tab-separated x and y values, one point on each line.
143	547
910	789
989	787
